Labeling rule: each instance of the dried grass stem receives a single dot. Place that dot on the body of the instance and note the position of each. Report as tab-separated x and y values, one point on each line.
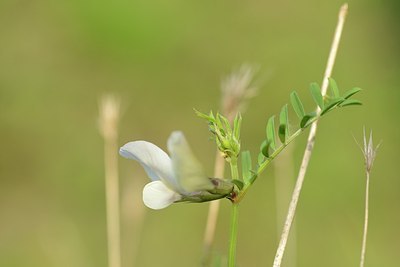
109	117
310	141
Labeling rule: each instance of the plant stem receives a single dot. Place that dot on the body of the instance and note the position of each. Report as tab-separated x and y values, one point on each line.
364	242
233	237
369	152
234	218
234	169
310	142
109	116
284	174
236	91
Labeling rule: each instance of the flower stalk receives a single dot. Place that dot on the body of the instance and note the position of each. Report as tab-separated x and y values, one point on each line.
233	235
234	169
234	218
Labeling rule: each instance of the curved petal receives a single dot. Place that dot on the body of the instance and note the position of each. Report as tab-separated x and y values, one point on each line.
156	195
187	169
153	159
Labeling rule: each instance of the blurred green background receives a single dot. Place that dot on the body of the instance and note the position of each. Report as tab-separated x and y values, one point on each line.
164	58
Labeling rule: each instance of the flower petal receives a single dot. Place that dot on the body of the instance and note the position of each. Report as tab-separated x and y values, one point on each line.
153	159
187	169
156	195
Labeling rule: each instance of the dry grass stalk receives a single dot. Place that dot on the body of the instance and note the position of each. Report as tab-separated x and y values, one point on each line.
109	117
310	141
236	90
284	173
369	152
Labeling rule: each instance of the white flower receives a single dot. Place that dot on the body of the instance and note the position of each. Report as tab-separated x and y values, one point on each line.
172	178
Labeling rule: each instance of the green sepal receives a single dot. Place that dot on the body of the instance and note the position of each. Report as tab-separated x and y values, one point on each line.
221	189
226	138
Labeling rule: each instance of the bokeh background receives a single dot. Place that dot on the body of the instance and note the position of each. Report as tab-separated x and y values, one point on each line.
164	58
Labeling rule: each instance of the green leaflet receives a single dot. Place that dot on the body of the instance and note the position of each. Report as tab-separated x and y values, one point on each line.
264	148
350	102
306	119
246	166
297	105
238	183
283	131
271	132
237	124
334	102
261	158
316	94
351	92
334	88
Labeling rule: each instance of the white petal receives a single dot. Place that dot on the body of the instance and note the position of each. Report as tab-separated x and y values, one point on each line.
187	169
153	159
156	195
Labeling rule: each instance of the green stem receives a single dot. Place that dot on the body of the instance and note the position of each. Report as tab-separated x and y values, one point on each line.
234	218
233	237
234	169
